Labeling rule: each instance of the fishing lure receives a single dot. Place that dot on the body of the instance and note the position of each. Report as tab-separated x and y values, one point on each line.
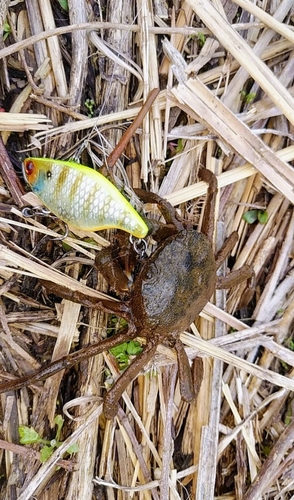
82	197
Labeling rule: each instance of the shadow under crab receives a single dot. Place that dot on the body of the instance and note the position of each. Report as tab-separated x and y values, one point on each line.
169	290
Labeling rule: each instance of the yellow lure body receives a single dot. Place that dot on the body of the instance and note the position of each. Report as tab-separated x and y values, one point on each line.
81	197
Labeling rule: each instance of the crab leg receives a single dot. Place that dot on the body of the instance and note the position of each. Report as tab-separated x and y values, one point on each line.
234	277
187	388
67	361
167	210
118	308
111	270
121	146
238	275
109	306
209	212
112	397
226	248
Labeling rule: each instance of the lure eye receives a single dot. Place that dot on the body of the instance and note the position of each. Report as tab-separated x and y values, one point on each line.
29	167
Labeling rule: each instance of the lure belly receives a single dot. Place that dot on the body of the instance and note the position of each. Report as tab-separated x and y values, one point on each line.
81	196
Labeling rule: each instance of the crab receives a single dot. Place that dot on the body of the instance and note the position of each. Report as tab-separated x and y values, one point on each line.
169	290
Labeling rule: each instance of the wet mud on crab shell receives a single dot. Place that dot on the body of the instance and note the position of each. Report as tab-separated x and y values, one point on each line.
169	291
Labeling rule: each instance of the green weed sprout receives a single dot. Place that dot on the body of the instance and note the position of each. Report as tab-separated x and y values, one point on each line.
28	435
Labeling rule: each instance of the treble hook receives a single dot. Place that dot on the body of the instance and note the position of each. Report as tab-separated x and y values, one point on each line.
139	245
31	212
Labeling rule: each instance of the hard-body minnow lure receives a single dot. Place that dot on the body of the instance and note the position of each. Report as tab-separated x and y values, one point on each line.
82	197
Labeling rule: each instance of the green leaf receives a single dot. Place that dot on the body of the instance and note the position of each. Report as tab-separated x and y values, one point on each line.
65	246
116	323
262	216
59	421
63	4
254	215
250	216
123	352
250	97
247	98
90	106
134	348
73	448
6	30
45	453
28	435
201	38
119	349
180	146
123	360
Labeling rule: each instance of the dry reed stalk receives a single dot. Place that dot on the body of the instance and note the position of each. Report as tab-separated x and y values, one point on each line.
19	122
270	21
183	19
116	49
200	188
20	102
194	97
68	326
151	147
104	25
51	462
41	50
241	51
91	381
40	271
90	123
54	50
78	14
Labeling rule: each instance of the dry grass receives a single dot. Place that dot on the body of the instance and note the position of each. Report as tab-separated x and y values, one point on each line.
235	442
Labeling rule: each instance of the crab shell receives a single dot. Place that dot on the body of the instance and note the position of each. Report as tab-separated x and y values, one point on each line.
174	284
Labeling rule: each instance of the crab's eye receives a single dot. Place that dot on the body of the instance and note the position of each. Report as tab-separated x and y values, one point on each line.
152	273
29	167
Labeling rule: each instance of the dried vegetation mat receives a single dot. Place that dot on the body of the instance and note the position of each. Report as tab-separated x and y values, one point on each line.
73	75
